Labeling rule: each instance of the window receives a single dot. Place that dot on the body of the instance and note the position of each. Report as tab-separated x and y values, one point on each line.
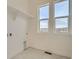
61	16
44	16
61	24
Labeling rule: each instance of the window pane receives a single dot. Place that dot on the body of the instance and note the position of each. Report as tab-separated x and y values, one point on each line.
44	25
44	12
44	15
61	24
62	8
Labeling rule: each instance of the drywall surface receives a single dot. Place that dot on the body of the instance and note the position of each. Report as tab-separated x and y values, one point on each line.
17	25
55	42
59	44
21	5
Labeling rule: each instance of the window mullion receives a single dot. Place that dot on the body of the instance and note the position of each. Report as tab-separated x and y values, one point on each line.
62	17
51	16
57	1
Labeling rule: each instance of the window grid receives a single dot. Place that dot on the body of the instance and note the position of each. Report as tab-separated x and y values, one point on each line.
44	18
64	17
59	17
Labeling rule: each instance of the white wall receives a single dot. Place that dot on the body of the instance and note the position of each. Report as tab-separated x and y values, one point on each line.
54	42
21	5
17	25
57	43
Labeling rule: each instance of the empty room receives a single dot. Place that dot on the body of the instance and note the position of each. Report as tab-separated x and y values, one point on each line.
39	29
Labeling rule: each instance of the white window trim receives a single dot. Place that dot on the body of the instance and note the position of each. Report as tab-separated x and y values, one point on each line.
53	21
44	18
69	20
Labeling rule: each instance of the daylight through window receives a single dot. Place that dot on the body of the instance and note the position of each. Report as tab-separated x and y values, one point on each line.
61	16
44	16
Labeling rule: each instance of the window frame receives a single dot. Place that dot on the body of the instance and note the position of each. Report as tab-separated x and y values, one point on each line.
52	30
43	5
69	20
